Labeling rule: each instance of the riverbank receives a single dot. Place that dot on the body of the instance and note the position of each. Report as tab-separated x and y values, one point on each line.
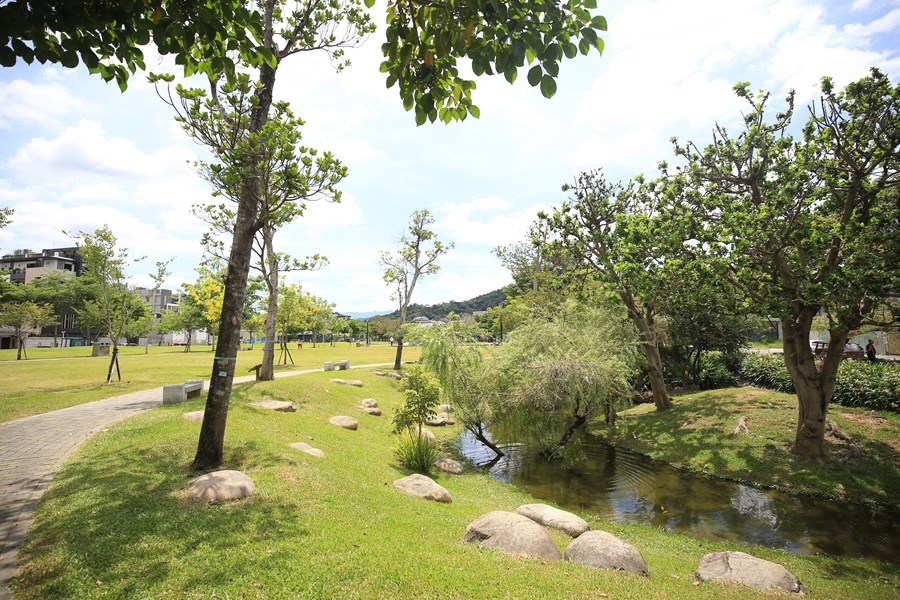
744	434
117	521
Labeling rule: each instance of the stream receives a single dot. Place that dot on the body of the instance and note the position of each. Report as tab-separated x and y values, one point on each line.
624	487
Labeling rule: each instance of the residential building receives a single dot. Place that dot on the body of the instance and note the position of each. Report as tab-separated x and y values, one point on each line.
26	266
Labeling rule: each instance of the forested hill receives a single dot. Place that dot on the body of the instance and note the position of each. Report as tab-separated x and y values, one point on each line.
439	311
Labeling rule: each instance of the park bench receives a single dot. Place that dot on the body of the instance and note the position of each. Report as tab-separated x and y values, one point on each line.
342	365
175	393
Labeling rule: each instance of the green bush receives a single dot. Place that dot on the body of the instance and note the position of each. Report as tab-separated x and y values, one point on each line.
859	383
716	372
416	453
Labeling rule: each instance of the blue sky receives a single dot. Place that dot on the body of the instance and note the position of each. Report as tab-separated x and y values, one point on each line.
76	154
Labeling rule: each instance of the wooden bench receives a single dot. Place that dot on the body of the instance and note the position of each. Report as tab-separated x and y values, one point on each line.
176	393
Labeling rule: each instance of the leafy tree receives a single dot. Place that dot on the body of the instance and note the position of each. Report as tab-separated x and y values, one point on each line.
115	305
207	294
23	317
384	328
66	294
810	226
415	258
625	238
569	366
422	393
188	317
5	216
470	381
107	36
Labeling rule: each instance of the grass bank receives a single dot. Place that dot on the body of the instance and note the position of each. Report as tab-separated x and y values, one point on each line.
698	434
117	522
54	378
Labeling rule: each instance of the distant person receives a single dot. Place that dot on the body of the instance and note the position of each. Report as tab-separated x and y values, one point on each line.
392	341
299	345
870	351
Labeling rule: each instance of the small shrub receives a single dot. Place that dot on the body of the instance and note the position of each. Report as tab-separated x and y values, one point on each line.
716	372
416	452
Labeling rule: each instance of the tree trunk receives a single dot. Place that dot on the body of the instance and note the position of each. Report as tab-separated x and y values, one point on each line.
399	355
647	331
814	385
210	446
19	347
270	274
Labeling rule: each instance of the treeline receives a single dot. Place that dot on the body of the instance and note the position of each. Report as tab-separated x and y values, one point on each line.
440	311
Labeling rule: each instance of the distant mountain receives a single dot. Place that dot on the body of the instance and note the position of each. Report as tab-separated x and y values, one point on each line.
362	316
439	311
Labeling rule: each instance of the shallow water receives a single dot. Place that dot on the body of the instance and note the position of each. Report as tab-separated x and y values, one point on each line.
624	487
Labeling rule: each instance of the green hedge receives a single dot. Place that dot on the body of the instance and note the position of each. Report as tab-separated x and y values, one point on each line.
859	383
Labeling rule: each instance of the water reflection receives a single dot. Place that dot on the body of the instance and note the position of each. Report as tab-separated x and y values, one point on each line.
624	487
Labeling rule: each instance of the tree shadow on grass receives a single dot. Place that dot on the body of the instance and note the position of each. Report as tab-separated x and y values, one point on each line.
123	517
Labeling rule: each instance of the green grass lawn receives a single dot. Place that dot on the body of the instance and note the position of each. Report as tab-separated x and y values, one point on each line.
698	435
54	378
117	521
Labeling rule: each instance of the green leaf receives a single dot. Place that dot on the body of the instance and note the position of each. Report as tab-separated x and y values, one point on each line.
7	57
369	3
420	116
552	68
511	74
268	56
69	59
548	86
475	111
599	22
534	75
408	102
570	50
584	47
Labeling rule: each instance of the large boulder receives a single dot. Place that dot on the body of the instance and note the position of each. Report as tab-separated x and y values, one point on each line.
423	487
375	412
277	405
304	447
570	524
344	421
511	534
428	436
742	568
605	551
222	485
448	465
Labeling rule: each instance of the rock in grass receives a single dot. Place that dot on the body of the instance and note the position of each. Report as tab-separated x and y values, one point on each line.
276	405
339	381
375	412
345	422
304	447
440	420
570	524
222	485
511	534
395	376
605	551
428	436
423	487
369	403
355	382
197	415
745	569
448	465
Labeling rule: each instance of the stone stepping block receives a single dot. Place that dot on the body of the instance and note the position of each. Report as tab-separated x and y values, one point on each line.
603	550
276	405
423	487
369	403
448	465
344	421
196	415
375	412
304	447
511	534
353	382
222	485
440	420
548	516
395	376
740	567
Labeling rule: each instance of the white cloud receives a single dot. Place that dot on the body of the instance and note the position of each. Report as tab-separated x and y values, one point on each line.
462	223
23	102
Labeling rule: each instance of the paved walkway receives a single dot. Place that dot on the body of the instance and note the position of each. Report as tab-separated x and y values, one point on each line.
32	450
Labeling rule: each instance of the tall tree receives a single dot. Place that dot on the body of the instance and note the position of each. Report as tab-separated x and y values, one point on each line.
414	258
808	227
622	236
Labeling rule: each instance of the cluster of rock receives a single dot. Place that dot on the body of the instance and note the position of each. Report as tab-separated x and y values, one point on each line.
370	406
389	375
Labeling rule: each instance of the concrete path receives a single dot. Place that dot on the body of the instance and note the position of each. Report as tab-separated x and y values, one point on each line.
32	450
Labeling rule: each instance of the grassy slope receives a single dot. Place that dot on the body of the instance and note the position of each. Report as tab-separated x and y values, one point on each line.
74	377
698	435
117	521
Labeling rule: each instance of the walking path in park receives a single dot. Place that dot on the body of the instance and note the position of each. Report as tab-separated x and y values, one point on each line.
32	450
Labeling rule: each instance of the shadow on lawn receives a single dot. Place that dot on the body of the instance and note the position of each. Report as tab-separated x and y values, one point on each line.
129	521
